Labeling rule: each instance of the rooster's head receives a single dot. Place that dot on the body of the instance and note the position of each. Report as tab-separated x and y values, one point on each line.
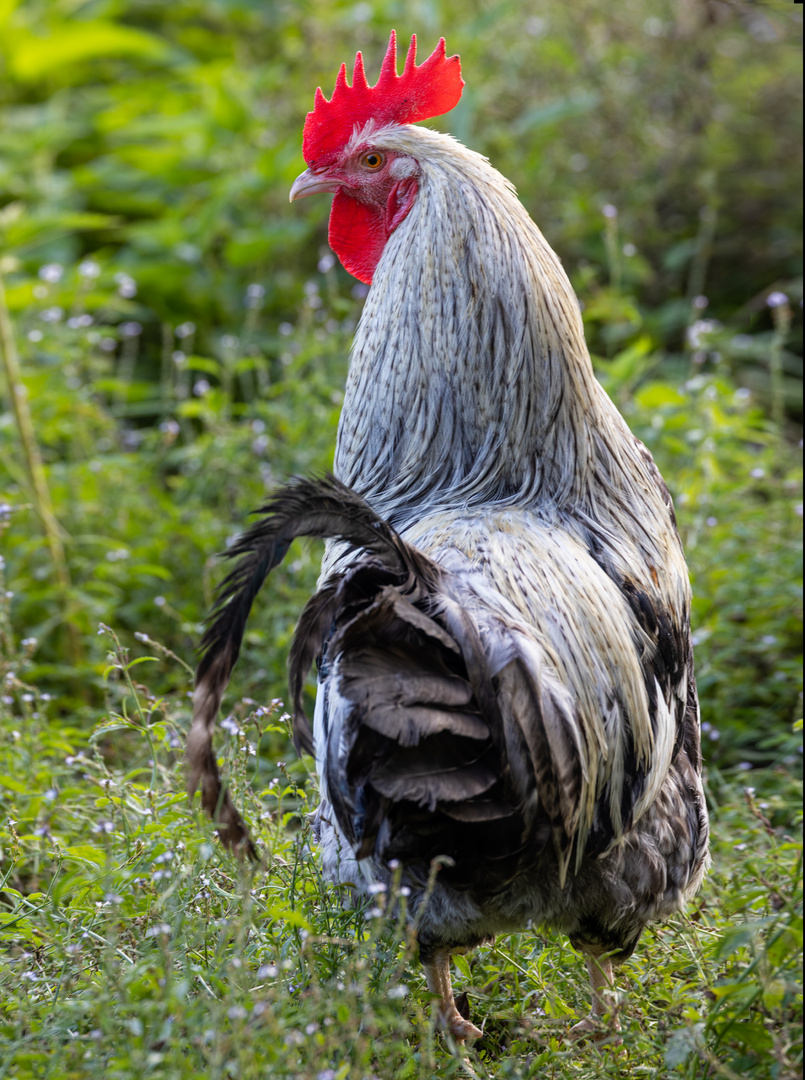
374	187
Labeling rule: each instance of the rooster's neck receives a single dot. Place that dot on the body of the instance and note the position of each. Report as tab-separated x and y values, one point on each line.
470	381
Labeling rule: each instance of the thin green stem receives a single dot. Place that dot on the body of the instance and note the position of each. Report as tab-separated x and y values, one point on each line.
42	502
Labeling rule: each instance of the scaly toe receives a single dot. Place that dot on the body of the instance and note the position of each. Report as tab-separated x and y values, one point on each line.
462	1030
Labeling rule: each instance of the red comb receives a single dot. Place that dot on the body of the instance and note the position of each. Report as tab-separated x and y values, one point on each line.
419	93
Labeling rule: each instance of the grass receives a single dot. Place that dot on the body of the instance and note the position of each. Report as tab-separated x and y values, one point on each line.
134	946
173	341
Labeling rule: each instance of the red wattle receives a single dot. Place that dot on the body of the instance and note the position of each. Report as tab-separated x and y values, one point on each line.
357	235
358	232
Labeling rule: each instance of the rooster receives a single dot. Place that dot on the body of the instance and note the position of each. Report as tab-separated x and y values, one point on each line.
505	670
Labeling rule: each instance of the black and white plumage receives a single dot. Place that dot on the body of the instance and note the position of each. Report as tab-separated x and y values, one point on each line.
502	627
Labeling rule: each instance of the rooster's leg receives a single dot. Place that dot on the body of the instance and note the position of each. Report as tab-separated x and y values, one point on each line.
437	973
602	985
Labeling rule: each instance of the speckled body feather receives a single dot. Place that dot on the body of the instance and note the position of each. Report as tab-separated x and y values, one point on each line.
473	423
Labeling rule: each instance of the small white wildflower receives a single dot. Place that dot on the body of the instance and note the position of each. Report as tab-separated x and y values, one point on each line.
185	330
130	329
35	335
757	474
51	272
629	250
326	262
398	991
267	971
160	601
126	285
200	387
375	888
609	211
230	725
52	314
700	328
89	269
776	299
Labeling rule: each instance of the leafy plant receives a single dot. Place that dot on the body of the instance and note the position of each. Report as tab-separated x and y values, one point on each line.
174	342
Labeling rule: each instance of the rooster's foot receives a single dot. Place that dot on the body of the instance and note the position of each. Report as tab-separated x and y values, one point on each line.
462	1030
604	1023
437	973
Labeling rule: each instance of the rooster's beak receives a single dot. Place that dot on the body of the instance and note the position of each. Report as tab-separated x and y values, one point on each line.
310	183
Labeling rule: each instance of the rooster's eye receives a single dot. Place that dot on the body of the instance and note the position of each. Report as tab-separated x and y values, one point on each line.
372	160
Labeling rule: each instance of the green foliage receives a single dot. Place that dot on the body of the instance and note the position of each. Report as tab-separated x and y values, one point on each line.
132	946
183	338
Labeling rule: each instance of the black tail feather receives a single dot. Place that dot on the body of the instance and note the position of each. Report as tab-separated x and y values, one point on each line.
320	508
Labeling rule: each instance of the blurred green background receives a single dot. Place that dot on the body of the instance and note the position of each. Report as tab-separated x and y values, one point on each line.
179	333
173	343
